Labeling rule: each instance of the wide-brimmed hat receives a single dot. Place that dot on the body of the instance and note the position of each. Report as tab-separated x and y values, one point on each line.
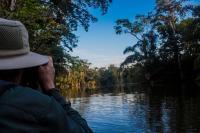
14	47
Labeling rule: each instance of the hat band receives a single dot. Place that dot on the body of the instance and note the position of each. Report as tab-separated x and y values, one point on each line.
8	53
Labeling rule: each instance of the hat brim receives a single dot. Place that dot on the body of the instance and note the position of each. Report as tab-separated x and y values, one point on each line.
24	61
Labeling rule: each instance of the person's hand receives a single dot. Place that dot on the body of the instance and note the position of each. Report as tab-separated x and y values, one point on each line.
46	75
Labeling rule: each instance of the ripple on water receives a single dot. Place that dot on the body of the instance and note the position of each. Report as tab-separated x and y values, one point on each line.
139	113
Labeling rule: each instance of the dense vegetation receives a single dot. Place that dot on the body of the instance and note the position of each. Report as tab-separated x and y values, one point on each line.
168	44
166	52
51	25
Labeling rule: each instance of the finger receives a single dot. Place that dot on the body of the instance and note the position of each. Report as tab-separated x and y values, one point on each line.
50	61
50	58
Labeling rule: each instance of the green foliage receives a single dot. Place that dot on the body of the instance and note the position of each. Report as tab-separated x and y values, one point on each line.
51	23
108	78
45	34
166	38
76	11
78	77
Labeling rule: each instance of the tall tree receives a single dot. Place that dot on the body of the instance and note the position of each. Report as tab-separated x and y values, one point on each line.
157	33
145	47
51	23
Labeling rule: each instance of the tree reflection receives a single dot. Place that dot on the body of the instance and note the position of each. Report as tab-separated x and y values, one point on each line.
150	111
173	113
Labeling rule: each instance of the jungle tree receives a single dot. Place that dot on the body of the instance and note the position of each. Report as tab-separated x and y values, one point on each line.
51	23
159	34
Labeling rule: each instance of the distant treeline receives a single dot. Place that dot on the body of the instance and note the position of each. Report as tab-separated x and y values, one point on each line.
83	78
167	50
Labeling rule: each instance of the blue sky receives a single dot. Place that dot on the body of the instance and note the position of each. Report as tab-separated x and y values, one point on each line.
100	45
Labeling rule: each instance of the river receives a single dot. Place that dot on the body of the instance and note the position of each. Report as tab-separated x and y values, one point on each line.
139	112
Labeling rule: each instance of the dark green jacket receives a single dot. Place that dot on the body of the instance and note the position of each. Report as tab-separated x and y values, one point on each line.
24	110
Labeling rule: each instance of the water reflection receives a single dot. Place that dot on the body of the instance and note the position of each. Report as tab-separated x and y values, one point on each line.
140	112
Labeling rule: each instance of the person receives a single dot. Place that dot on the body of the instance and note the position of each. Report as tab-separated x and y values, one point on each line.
30	110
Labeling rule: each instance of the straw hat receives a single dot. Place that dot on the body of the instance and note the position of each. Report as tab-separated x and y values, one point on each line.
14	47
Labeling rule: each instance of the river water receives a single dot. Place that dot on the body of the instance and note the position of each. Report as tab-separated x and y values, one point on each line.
139	112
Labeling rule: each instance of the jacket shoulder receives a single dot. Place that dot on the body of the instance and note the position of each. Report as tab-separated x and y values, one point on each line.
26	99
